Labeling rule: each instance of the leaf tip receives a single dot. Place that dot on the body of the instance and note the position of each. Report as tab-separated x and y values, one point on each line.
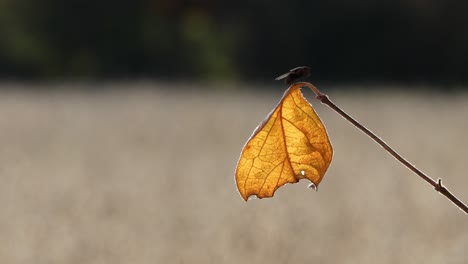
249	197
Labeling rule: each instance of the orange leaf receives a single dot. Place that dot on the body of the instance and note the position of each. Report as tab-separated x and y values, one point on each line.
289	145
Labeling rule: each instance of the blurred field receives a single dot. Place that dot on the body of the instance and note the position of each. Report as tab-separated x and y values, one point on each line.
145	175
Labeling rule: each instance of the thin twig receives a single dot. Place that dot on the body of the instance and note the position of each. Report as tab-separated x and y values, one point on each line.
437	185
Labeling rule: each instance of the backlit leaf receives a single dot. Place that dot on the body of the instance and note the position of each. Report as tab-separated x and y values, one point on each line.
289	145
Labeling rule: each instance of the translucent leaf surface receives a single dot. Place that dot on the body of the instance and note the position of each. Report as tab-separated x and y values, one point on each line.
289	145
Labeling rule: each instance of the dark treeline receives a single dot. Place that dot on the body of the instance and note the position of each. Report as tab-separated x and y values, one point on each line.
343	41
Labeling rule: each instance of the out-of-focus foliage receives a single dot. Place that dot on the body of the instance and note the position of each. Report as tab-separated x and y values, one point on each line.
290	144
403	40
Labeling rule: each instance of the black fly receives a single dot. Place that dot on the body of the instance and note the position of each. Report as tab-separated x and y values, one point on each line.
294	74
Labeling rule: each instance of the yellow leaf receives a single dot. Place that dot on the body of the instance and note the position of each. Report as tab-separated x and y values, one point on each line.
289	145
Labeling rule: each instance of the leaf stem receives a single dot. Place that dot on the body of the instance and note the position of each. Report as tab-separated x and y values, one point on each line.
437	185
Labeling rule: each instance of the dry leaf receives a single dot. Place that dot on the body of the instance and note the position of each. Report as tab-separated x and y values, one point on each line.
289	145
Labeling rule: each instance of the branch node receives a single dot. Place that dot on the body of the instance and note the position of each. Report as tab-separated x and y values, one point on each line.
322	98
439	186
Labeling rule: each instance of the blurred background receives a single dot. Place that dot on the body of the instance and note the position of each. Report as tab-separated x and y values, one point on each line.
409	41
122	123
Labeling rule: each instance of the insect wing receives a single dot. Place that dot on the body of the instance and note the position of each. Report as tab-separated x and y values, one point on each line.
282	76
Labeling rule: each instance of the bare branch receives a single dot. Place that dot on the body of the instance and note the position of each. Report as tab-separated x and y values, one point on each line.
437	185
